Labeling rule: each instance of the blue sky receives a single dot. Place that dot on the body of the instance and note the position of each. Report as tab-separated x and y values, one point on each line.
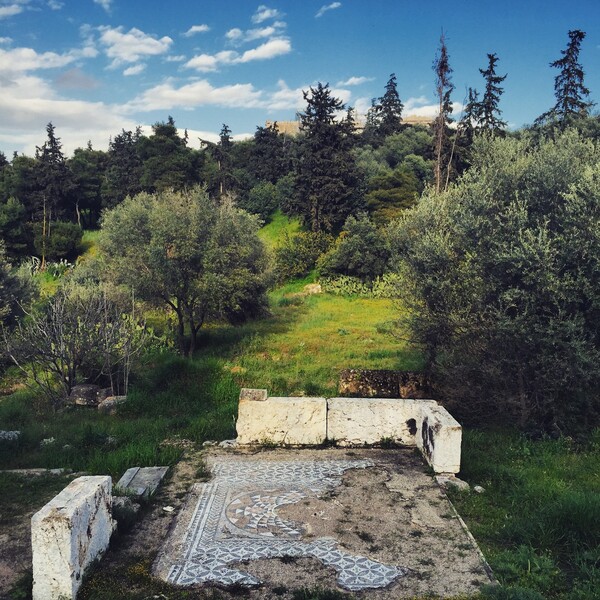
93	67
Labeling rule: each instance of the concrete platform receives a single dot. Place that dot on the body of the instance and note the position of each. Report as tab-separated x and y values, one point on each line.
362	520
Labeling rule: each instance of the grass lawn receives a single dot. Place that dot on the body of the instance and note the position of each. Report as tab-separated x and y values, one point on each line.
538	522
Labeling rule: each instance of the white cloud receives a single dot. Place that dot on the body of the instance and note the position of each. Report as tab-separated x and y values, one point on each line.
11	10
197	93
285	98
356	80
28	102
5	40
105	4
264	13
206	63
196	29
234	34
210	62
20	60
421	107
55	4
131	46
175	58
327	7
266	51
362	105
135	70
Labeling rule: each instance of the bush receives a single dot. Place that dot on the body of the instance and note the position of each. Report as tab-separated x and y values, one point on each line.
501	276
360	251
298	254
62	241
381	287
263	200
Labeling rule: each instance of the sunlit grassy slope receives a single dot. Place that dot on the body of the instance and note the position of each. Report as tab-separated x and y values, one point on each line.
272	233
309	339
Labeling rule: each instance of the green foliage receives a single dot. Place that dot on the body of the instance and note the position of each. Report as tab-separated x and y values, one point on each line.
13	230
15	291
87	168
168	164
388	110
263	200
569	89
501	275
360	251
62	240
392	193
344	285
298	254
203	260
327	184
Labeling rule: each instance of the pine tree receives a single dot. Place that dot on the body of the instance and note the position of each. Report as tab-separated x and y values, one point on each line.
326	183
489	119
124	168
52	176
444	88
388	110
569	89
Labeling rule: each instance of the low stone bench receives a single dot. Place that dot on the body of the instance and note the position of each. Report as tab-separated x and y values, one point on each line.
68	534
352	422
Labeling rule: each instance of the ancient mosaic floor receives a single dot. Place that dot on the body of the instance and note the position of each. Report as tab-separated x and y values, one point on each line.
236	519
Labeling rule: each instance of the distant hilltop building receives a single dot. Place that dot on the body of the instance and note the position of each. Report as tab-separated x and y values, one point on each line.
292	128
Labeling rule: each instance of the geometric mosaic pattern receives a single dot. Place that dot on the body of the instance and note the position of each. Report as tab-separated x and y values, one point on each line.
236	520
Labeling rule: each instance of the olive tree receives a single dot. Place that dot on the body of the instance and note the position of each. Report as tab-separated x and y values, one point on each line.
200	258
501	279
79	335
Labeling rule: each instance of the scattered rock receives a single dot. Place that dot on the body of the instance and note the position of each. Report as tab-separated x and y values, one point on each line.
313	288
448	481
110	404
253	395
209	443
9	436
47	442
142	481
168	509
228	444
67	447
111	440
85	394
478	489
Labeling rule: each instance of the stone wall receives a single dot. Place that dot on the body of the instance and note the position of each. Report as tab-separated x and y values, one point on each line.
352	422
67	534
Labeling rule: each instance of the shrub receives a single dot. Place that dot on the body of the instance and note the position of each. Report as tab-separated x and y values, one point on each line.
298	254
262	200
501	276
360	251
381	287
62	241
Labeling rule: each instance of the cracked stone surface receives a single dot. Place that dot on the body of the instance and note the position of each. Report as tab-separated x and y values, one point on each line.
236	519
